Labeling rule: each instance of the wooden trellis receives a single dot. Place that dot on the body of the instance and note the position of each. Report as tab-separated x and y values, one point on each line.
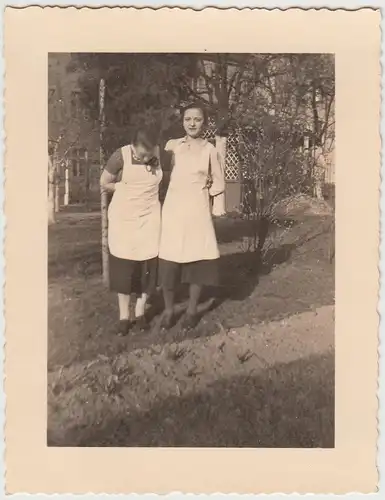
209	134
232	156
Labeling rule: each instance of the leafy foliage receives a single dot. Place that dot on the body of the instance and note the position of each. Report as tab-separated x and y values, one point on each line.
236	88
294	101
140	89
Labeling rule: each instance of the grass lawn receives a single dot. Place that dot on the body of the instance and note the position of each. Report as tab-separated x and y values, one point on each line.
257	371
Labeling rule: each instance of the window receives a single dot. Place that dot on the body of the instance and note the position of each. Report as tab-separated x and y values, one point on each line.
76	168
200	84
78	161
208	68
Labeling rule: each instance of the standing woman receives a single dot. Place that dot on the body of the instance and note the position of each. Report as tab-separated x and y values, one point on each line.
188	250
133	223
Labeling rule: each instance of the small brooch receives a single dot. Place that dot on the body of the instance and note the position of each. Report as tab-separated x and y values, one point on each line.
152	165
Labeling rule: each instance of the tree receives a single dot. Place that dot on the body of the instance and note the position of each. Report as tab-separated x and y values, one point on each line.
219	82
59	123
69	125
53	180
274	116
103	194
273	101
141	89
144	88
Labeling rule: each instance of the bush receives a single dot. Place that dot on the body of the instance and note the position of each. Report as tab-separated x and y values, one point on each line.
272	171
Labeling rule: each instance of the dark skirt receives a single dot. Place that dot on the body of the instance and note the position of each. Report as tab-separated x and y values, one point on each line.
131	276
202	272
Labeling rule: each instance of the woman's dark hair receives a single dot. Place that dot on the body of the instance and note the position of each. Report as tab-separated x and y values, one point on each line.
196	105
145	136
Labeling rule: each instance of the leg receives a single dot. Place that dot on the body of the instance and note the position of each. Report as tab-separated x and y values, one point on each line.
124	314
168	315
169	298
141	321
191	318
146	285
148	271
197	274
169	273
120	282
122	277
140	305
195	293
124	306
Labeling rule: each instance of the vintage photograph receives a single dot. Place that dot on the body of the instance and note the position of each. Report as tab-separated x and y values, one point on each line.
198	302
191	250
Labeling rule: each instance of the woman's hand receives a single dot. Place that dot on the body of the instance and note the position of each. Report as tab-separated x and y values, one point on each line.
218	208
108	182
209	182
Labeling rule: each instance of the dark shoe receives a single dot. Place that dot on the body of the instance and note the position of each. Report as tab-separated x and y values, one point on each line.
141	324
167	321
189	322
124	327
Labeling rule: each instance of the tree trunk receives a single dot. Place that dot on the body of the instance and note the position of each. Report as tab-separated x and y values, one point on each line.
56	182
86	180
104	195
263	227
66	186
57	197
319	174
105	252
318	191
51	192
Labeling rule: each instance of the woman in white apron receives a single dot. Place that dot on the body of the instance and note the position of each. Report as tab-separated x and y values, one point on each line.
188	250
133	223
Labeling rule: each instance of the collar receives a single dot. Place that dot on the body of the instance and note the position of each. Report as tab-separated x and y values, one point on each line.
184	139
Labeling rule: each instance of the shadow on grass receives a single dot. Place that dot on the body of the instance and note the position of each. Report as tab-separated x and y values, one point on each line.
82	312
75	248
81	262
229	229
240	272
285	406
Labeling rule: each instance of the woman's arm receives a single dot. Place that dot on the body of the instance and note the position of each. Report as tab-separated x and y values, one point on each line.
110	174
167	156
217	174
108	182
217	188
167	163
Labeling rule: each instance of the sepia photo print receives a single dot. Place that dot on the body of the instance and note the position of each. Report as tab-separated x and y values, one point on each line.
191	250
192	207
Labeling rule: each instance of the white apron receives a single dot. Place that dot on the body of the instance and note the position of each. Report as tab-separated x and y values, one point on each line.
134	212
188	233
